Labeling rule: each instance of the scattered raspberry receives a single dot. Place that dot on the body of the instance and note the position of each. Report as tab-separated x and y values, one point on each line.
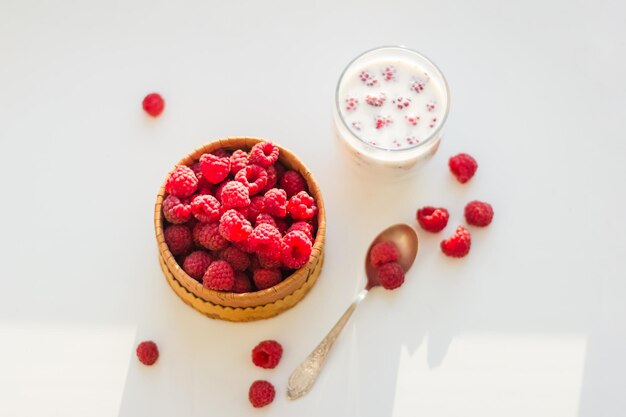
219	276
432	219
272	179
234	226
196	264
389	73
263	154
181	182
301	206
402	102
265	239
431	106
376	100
266	278
296	249
257	206
390	275
458	245
254	177
478	213
153	104
265	218
175	210
357	126
206	208
432	122
463	166
215	169
269	260
368	78
276	202
242	283
219	189
238	161
235	194
412	120
238	259
147	352
418	86
267	354
178	239
292	182
412	140
261	393
304	227
208	236
221	153
383	253
382	121
351	103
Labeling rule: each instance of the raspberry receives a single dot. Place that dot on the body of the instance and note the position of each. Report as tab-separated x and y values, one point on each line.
412	120
237	258
261	393
242	283
432	219
198	173
418	86
478	213
383	253
208	236
238	161
269	260
153	104
390	275
267	354
302	206
234	226
280	170
272	179
296	249
206	208
431	106
376	100
254	177
304	227
221	153
219	276
458	245
263	154
219	189
215	169
178	239
382	121
463	166
257	206
368	78
243	246
281	225
351	103
402	102
147	352
243	210
176	211
389	73
266	278
181	182
276	202
235	194
196	264
292	182
265	239
264	218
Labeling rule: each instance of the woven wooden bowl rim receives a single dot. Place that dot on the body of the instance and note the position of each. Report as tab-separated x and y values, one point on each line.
257	298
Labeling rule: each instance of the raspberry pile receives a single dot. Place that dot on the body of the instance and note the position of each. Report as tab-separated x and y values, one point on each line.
383	257
239	221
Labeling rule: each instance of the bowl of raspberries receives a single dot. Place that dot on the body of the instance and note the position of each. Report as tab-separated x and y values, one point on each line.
240	226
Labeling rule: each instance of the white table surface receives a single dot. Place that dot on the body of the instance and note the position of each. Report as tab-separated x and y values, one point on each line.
531	323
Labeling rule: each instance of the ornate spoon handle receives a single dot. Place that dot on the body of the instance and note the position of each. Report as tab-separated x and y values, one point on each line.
302	379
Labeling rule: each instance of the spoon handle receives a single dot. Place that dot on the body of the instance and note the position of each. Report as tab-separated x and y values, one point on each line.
302	379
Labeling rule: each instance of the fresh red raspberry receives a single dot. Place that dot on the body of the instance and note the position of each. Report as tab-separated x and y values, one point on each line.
242	283
269	260
292	182
376	100
238	259
257	206
458	245
243	210
368	78
261	393
254	177
181	182
235	194
302	206
389	73
208	236
178	238
234	226
418	86
390	275
219	276
264	218
478	213
282	225
432	219
221	153
431	106
382	121
263	154
238	161
175	210
219	189
382	253
402	102
280	170
265	239
243	246
267	354
296	249
196	264
153	104
215	169
276	202
206	208
351	103
198	173
463	166
147	352
272	179
306	228
266	278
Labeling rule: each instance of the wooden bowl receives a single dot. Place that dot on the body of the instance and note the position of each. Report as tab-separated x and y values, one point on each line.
253	305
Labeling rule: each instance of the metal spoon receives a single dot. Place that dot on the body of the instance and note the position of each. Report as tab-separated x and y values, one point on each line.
302	379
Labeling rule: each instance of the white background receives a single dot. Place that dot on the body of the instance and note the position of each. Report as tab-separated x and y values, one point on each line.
532	322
